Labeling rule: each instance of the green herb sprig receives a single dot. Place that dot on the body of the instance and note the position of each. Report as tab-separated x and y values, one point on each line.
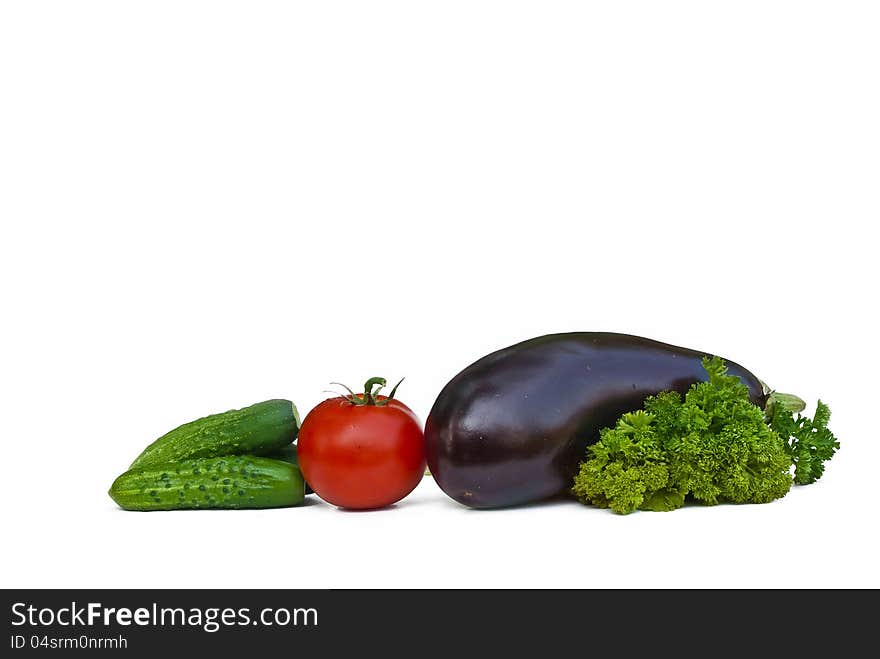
714	445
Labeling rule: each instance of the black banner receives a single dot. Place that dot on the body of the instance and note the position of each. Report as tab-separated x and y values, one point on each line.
138	622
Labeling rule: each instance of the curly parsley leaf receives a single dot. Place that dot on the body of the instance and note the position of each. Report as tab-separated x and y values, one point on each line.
809	442
713	445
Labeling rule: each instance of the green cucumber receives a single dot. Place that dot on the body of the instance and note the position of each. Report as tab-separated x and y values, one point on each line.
288	454
234	481
257	430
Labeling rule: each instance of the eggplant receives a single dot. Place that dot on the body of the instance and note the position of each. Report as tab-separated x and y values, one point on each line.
513	427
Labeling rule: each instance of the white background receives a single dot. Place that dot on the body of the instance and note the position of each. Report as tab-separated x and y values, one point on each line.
207	204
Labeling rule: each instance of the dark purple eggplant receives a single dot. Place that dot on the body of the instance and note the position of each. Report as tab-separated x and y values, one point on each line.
513	427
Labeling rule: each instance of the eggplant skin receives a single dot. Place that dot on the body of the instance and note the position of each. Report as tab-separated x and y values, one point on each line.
513	427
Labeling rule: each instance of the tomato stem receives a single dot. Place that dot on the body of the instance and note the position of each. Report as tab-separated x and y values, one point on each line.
372	387
369	394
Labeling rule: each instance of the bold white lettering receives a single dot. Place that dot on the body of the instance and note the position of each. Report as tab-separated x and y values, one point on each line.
21	616
94	612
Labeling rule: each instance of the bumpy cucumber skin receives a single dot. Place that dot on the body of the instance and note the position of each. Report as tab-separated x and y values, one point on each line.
255	430
234	481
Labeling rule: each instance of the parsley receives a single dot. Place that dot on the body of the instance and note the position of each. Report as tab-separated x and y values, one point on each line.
713	445
809	442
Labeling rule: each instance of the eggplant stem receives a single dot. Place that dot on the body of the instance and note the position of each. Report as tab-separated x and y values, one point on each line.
788	402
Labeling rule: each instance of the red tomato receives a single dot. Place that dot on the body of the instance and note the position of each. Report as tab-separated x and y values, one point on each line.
361	455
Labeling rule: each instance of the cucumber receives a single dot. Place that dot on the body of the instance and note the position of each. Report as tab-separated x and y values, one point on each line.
288	454
235	481
255	430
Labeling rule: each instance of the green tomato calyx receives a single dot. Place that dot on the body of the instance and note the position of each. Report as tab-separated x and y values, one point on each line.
372	387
